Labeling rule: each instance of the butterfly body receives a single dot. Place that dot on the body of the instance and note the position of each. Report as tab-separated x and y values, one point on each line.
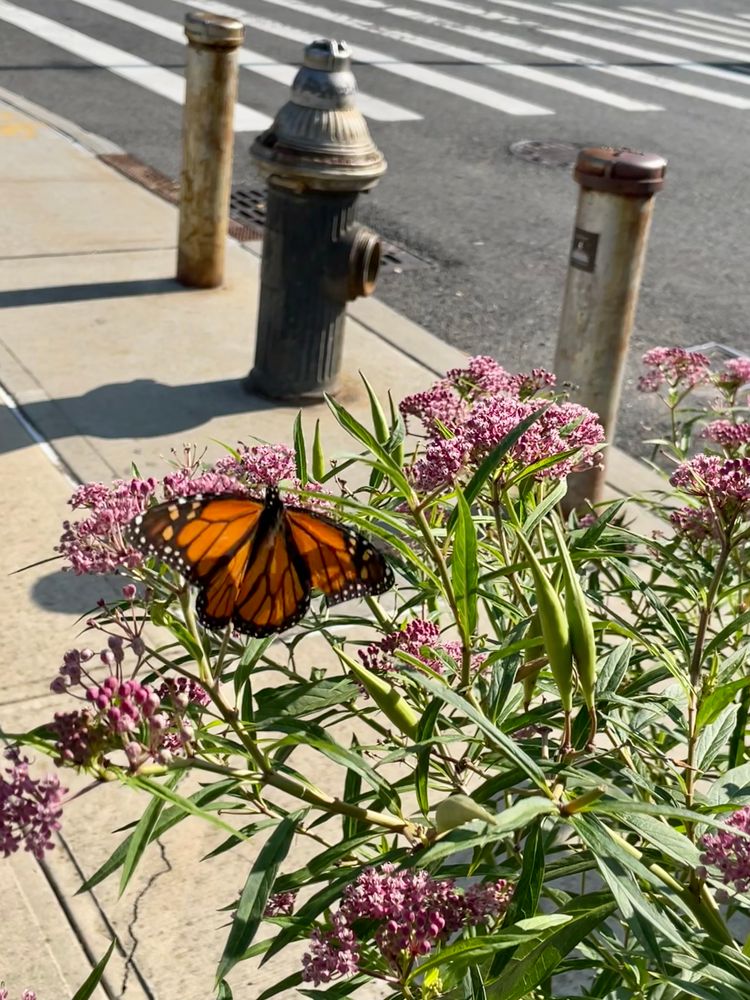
257	561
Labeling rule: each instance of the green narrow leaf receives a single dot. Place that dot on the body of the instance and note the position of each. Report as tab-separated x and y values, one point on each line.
717	701
464	568
94	978
318	457
526	896
613	668
143	834
286	984
253	651
224	992
508	746
257	889
360	433
187	805
714	737
736	625
300	450
352	791
523	975
422	769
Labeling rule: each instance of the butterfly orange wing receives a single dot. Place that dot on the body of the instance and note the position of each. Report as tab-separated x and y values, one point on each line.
341	562
209	539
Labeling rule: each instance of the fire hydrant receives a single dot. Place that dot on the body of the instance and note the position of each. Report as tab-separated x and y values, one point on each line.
317	157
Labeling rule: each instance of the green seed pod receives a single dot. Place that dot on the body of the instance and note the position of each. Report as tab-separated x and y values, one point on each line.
318	459
554	626
457	810
387	698
582	641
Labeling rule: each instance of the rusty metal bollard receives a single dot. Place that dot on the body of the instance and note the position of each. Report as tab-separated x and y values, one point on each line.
317	156
615	206
207	140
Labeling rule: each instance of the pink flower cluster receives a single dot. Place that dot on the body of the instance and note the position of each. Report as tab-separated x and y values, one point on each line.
121	714
471	410
721	483
675	367
262	464
730	852
412	913
30	808
727	434
95	543
413	638
26	995
736	374
281	904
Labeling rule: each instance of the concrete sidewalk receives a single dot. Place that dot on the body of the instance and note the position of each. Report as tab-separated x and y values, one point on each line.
110	361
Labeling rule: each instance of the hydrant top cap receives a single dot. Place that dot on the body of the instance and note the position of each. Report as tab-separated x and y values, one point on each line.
328	54
203	28
617	170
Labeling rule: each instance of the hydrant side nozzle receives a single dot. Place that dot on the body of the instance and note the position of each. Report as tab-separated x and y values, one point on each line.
352	269
364	263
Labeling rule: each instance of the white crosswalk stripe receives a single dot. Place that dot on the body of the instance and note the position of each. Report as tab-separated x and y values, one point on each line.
462	54
390	64
690	22
549	55
653	20
656	36
651	80
254	62
715	17
124	64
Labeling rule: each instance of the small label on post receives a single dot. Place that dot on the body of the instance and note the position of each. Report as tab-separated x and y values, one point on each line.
583	251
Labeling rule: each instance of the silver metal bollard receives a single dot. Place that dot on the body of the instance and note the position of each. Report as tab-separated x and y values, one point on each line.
615	206
207	140
318	156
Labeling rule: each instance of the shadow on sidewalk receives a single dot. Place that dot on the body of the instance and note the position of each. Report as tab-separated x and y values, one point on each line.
55	294
142	408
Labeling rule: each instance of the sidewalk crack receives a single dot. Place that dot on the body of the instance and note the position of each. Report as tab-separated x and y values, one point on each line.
131	928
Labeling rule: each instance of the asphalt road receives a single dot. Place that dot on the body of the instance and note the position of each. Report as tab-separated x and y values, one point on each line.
495	229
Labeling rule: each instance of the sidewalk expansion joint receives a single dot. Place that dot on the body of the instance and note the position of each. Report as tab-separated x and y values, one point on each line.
87	253
37	437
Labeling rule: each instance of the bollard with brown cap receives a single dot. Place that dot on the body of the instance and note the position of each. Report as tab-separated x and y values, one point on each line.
207	141
615	206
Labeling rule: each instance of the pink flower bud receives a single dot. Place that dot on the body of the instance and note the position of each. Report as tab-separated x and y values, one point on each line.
129	591
110	683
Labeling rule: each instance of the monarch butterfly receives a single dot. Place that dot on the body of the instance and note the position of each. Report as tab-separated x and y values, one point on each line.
256	561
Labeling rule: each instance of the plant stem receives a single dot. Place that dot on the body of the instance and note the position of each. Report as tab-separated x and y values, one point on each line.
696	663
442	566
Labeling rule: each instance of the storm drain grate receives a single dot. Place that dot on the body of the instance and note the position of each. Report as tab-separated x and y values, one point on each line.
248	206
165	187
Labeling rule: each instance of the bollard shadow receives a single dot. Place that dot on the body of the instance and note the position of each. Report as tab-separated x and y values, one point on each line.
142	408
56	294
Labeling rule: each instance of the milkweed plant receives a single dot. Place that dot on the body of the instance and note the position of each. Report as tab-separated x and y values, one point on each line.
538	736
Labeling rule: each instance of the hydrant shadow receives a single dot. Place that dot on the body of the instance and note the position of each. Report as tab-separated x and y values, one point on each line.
141	408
